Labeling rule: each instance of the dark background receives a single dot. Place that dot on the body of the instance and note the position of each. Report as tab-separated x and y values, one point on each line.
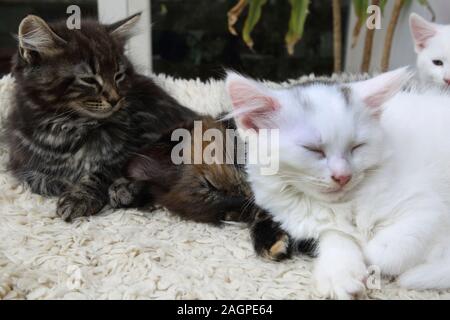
191	38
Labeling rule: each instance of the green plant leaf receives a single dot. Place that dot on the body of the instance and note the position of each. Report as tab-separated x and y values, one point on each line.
233	15
254	14
360	9
299	12
407	3
383	5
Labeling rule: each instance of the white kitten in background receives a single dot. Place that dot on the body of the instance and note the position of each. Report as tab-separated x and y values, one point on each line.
365	169
432	45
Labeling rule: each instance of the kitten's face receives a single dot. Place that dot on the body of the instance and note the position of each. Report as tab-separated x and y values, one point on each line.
433	62
432	45
83	71
330	137
329	146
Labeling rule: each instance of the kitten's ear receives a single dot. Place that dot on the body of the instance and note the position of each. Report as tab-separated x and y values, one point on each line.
376	91
254	105
36	36
421	31
124	29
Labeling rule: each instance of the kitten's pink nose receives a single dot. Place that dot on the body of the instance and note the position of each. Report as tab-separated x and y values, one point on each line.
342	180
447	81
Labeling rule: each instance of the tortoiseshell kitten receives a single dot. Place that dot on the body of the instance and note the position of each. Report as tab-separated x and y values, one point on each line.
80	110
212	191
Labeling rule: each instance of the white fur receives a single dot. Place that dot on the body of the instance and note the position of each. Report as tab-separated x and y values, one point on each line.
394	212
411	218
432	42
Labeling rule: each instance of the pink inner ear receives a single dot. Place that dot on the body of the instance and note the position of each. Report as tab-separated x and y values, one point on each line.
377	99
243	95
422	33
259	105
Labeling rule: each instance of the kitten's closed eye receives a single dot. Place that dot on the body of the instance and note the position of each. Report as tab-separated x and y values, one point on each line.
90	81
120	76
438	63
320	152
358	146
316	150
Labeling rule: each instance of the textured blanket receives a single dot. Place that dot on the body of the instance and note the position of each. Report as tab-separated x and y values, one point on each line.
128	254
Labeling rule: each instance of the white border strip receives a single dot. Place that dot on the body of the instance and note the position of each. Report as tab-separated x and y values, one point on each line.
140	46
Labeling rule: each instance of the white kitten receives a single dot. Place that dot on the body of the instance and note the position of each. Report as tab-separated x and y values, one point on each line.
432	45
362	168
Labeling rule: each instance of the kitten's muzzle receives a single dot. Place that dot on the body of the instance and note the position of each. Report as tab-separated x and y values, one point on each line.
98	106
102	108
341	180
111	96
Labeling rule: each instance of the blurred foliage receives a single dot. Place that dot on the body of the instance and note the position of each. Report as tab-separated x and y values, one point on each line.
191	39
299	12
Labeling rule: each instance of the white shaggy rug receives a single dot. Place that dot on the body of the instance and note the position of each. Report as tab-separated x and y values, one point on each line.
134	255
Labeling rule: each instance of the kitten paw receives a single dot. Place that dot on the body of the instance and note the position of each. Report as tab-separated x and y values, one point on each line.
341	284
123	193
73	205
270	241
280	250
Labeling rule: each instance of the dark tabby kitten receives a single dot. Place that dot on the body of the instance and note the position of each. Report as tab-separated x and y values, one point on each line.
80	110
211	193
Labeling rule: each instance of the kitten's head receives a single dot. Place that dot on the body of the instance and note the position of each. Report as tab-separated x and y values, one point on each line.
330	136
432	45
84	70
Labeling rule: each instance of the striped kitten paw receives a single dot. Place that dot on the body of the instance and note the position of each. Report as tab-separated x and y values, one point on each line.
124	193
73	205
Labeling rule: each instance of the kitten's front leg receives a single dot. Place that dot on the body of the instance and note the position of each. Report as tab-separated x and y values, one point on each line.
272	242
125	193
86	198
269	240
403	244
45	185
339	271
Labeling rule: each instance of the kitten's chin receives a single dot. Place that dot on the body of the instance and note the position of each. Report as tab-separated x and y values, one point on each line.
346	194
335	196
98	115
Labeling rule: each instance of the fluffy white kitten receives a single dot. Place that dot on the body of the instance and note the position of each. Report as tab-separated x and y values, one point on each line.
365	169
432	45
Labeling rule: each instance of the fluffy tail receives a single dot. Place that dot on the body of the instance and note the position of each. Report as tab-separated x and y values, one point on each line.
427	276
